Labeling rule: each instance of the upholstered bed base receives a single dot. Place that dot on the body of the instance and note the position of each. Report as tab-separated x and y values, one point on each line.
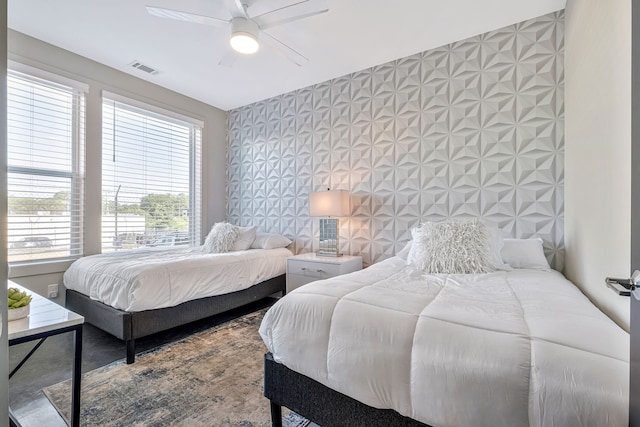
128	326
320	404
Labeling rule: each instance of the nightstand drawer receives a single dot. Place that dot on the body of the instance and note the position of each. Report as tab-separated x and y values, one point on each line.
306	268
313	269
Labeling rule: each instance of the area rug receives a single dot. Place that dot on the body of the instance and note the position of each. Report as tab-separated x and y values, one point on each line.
213	378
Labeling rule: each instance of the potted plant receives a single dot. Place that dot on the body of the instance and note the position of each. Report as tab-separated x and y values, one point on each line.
18	304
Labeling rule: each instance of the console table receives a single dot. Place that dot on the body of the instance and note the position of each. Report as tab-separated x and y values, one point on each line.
47	319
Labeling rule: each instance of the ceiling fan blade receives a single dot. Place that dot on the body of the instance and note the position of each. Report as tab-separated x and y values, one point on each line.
293	12
185	16
283	50
228	59
236	8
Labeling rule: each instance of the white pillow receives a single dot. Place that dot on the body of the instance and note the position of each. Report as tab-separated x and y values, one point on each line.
418	250
246	236
525	253
269	241
221	238
496	243
404	252
451	247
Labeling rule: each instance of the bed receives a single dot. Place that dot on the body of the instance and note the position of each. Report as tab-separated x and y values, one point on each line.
391	345
134	295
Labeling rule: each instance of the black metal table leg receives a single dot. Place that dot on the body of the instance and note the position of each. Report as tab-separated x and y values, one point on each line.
76	378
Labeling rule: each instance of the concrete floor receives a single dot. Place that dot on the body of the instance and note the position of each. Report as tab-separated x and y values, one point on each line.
52	363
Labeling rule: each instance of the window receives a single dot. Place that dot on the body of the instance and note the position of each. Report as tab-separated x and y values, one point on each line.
150	177
45	129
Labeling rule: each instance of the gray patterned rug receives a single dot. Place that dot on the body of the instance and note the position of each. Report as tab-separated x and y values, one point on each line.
213	378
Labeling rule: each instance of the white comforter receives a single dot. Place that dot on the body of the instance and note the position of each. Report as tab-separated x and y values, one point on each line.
502	349
155	278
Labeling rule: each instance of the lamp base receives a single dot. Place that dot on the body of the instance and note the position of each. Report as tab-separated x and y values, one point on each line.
329	244
321	253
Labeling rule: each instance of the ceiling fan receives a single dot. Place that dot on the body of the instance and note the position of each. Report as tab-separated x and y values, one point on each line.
248	31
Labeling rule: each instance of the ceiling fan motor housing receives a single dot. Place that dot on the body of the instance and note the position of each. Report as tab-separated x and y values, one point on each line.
244	35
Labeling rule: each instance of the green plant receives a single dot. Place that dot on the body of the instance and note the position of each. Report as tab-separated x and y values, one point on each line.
17	299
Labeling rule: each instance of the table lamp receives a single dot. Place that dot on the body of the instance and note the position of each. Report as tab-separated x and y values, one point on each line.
330	203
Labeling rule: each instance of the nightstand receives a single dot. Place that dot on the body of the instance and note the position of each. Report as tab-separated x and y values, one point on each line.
305	268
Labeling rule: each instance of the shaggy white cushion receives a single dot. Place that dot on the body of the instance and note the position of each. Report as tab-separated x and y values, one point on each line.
246	236
452	247
221	238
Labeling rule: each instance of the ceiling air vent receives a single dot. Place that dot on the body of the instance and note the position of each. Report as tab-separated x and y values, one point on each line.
140	66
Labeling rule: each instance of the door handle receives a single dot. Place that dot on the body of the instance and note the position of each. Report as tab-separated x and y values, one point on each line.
625	287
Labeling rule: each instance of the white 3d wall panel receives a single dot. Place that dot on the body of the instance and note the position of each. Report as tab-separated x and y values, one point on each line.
472	129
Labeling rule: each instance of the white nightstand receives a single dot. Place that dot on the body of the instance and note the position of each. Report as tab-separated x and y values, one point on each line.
305	268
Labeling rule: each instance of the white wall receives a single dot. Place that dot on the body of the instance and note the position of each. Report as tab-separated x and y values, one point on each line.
4	352
598	148
381	134
36	53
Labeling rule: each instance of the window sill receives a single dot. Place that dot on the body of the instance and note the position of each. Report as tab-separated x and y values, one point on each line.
36	268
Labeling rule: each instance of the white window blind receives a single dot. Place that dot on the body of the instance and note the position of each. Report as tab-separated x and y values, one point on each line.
150	178
45	129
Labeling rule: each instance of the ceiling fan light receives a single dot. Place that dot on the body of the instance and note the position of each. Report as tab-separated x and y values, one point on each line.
244	36
244	43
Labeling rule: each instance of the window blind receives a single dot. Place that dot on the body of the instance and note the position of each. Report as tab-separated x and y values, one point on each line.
45	149
150	178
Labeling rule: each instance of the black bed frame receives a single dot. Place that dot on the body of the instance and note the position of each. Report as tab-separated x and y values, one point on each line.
321	404
128	326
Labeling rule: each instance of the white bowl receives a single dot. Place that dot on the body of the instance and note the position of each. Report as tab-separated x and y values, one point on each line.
18	313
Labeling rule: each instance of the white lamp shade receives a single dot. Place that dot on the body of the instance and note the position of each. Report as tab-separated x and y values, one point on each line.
329	203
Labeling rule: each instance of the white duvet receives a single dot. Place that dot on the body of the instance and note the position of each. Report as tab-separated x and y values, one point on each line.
510	349
156	278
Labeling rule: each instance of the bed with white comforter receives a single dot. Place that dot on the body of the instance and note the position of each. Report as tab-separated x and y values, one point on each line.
514	348
158	278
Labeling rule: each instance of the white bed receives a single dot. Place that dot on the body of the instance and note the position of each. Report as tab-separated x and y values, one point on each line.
158	278
138	293
514	348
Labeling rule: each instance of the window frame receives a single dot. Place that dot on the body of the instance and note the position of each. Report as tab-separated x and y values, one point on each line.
76	176
196	132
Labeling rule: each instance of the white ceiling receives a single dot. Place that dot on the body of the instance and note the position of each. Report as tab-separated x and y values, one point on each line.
353	35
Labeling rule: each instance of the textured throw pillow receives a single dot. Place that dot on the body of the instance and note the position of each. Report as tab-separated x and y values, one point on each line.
270	241
221	238
453	247
246	236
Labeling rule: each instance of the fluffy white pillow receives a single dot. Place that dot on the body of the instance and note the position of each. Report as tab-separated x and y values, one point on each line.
221	238
269	241
246	236
452	247
525	253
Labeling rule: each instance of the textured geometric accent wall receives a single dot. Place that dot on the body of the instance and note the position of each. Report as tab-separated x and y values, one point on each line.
471	129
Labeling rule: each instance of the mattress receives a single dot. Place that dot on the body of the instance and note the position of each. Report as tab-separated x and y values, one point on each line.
158	278
514	348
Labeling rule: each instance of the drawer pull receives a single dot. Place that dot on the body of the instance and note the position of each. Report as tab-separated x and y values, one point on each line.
310	269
